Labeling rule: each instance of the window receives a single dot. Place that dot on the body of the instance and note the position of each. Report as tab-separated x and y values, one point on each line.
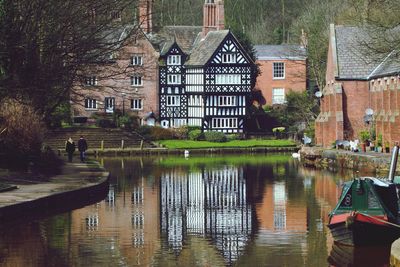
109	104
279	70
227	101
173	100
136	103
278	96
137	60
174	60
228	79
91	81
229	58
90	103
136	81
224	123
174	79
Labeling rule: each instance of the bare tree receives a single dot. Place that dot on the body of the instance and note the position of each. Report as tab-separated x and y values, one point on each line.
47	44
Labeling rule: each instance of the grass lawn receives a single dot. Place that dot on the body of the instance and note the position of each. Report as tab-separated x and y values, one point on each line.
188	144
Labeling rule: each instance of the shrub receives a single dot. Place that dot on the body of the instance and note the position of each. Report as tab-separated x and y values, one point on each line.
233	137
125	122
144	131
159	133
181	132
105	123
195	135
215	137
24	131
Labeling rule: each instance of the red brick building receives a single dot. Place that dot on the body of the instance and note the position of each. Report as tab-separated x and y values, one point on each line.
282	69
357	81
180	75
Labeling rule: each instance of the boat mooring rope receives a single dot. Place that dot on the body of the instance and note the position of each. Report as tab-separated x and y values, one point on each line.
380	220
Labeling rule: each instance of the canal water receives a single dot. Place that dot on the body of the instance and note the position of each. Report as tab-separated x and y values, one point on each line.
244	210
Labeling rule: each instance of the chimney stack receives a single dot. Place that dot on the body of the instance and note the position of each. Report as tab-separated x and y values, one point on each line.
146	15
213	16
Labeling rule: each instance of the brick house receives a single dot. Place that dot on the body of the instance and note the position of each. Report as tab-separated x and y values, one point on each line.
356	82
181	75
283	68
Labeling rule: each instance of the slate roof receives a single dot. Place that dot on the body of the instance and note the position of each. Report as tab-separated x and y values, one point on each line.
203	49
185	36
355	61
276	52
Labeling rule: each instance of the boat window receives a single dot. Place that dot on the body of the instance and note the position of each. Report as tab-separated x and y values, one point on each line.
373	202
347	200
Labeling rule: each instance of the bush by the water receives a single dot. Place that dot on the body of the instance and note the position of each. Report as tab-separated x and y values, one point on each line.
195	135
23	137
154	132
215	137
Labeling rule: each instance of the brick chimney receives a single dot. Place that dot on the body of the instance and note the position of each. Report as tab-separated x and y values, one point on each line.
213	16
146	15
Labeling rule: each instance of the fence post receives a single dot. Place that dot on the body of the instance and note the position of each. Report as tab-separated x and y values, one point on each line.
102	145
122	144
141	144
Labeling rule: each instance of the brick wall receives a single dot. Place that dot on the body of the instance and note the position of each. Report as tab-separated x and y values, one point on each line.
114	80
295	77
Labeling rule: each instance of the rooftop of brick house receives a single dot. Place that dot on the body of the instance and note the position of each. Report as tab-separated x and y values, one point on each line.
355	60
280	52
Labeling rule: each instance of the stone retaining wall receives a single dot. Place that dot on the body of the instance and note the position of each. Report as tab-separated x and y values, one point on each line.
336	159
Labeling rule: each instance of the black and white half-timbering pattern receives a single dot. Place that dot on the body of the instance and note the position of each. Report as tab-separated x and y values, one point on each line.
211	89
227	88
173	100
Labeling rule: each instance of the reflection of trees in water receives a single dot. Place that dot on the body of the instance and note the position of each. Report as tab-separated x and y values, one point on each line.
211	203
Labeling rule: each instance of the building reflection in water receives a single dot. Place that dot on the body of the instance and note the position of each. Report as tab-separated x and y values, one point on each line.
210	203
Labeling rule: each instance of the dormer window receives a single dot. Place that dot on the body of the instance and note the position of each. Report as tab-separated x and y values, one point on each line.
229	58
174	60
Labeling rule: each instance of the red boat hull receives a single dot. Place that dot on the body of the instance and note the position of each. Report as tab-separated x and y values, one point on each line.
358	229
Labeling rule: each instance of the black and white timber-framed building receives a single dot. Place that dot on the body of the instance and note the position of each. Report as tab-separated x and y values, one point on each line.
210	87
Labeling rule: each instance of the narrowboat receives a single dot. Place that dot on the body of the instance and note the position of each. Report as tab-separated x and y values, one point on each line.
367	210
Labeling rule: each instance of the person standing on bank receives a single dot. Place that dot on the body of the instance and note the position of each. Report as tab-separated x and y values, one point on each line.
70	148
82	147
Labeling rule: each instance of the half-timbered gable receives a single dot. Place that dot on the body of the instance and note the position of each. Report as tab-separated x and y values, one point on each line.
226	83
173	100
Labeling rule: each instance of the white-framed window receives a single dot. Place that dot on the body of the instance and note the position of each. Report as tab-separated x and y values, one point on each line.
137	60
174	60
136	80
228	79
226	101
91	80
278	95
224	123
278	71
173	100
229	58
90	103
136	103
174	79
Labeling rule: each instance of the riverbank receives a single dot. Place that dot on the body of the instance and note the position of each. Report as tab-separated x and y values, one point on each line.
336	159
197	151
77	185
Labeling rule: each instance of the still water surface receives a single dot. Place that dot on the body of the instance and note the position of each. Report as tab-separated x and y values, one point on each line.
247	210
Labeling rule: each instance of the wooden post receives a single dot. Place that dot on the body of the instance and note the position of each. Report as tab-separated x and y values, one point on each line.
122	144
141	144
102	145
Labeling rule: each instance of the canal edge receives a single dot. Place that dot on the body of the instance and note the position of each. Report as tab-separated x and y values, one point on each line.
78	185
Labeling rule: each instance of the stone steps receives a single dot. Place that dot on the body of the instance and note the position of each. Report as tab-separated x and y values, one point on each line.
111	138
